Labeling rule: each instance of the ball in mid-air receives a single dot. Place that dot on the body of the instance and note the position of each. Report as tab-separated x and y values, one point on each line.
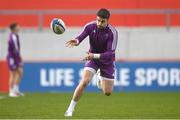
58	26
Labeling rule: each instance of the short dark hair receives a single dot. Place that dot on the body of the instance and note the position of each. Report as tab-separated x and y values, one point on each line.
13	26
103	13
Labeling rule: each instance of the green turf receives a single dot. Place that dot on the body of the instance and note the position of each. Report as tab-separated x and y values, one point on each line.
93	105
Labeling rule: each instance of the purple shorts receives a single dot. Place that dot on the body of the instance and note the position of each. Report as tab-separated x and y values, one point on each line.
106	70
13	63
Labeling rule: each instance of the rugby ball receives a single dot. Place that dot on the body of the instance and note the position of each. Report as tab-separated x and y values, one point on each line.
58	26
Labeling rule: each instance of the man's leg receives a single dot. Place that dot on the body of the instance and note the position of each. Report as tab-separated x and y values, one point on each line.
18	80
12	80
105	78
87	76
82	85
19	75
107	86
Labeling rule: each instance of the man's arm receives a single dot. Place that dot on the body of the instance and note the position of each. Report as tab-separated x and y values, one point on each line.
14	46
109	54
83	35
111	47
78	39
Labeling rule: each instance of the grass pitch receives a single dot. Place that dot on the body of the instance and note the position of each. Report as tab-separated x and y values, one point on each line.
92	105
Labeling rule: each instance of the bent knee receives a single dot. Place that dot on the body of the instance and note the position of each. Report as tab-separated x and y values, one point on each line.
107	93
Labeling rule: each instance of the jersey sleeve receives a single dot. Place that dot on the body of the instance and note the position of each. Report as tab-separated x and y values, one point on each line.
83	34
14	46
111	47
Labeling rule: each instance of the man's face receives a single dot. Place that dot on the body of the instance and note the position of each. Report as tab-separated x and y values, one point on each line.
17	29
101	23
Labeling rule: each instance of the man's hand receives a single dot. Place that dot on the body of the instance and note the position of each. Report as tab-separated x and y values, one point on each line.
89	56
72	43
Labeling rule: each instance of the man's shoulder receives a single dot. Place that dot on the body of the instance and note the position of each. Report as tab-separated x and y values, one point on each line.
112	29
91	24
12	36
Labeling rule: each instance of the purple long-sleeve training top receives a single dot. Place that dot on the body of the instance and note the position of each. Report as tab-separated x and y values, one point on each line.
102	41
14	47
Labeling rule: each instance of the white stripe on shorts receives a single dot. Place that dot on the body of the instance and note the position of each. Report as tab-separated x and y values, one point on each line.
105	78
90	69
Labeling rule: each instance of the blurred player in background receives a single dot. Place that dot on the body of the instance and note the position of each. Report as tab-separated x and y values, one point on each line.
14	61
103	41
